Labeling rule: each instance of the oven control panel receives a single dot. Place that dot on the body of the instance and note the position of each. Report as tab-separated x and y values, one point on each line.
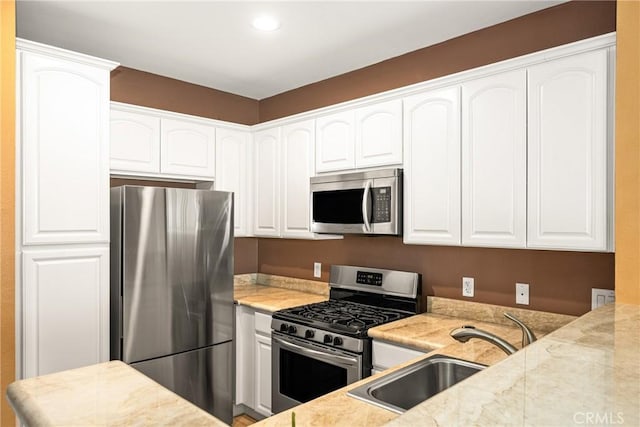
369	278
326	338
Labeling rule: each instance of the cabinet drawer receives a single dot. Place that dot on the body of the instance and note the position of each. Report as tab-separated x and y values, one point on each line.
387	355
263	323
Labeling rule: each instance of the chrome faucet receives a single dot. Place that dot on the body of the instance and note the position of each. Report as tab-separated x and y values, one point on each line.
465	333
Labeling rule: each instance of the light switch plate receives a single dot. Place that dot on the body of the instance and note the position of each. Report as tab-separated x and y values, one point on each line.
522	293
317	269
600	297
467	286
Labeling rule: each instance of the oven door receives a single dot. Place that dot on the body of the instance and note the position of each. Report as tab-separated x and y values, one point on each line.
303	370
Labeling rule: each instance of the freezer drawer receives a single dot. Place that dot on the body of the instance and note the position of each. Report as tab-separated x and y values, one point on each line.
203	377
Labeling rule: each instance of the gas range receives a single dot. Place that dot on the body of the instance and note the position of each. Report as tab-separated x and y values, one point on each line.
329	339
338	323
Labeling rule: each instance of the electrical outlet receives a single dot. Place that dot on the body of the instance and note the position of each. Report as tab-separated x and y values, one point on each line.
317	269
600	297
467	286
522	293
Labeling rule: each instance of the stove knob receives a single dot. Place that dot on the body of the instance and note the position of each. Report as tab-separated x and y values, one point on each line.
292	329
284	327
328	339
309	333
337	341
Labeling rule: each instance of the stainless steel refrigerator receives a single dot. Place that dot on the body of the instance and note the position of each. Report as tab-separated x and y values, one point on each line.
172	290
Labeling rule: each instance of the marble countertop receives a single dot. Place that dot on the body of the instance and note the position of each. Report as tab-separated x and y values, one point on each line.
107	394
589	368
586	371
276	296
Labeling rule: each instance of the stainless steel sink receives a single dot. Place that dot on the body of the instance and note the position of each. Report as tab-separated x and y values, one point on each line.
405	388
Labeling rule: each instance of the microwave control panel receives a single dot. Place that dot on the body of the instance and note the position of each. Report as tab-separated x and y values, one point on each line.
381	204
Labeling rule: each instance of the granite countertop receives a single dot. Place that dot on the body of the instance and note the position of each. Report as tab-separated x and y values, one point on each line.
107	394
278	293
424	332
589	368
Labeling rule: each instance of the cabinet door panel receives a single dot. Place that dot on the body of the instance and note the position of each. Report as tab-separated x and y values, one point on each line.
135	142
187	148
263	374
298	161
65	158
494	161
335	148
233	173
379	134
432	167
267	183
65	310
568	153
245	356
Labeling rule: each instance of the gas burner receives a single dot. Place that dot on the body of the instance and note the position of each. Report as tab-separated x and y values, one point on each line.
342	315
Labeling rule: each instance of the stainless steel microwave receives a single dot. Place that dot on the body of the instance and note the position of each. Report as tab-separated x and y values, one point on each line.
357	203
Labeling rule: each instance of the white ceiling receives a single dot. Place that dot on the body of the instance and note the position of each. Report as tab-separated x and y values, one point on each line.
212	43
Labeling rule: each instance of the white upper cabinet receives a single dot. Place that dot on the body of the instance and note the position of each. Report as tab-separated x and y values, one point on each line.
135	142
494	161
297	168
432	167
267	183
360	138
156	143
187	148
379	134
335	144
64	136
233	173
568	143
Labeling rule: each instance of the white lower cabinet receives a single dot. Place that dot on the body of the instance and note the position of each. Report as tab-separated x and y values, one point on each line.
253	359
385	355
65	309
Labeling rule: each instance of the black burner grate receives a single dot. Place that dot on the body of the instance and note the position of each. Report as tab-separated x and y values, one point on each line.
343	315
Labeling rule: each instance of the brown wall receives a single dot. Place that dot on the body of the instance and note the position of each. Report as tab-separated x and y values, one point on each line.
246	255
151	90
547	28
560	282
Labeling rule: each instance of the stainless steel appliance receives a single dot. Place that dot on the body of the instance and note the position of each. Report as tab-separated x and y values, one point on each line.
172	290
318	348
358	203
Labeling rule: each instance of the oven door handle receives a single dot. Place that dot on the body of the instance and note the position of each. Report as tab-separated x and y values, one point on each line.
317	354
366	198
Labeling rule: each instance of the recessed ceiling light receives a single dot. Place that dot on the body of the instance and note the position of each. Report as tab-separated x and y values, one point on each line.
266	23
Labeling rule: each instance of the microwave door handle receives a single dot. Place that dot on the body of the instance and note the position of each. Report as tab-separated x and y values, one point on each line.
366	198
